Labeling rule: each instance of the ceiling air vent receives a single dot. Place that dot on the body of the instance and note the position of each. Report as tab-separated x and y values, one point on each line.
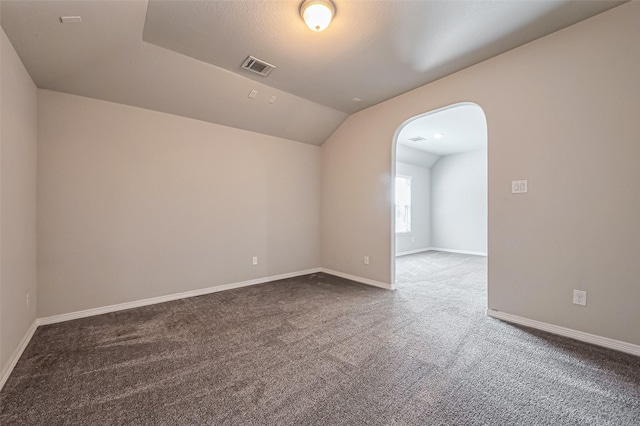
417	139
259	67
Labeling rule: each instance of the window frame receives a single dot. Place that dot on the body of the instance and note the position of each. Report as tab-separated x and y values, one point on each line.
410	205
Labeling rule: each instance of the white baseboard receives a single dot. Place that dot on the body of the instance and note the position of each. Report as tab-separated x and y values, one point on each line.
13	360
475	253
167	298
404	253
606	342
161	299
356	278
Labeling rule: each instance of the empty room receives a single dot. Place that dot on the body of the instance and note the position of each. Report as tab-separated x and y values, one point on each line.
441	200
240	212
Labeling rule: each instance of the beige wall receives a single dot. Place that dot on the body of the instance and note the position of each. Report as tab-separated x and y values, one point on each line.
135	204
562	112
18	143
459	202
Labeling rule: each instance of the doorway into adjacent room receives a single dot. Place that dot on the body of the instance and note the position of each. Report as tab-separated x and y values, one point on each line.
439	218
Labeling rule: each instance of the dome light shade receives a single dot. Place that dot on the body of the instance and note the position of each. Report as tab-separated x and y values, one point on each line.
317	14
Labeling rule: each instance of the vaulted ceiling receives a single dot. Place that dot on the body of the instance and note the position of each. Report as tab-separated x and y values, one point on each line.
450	130
184	57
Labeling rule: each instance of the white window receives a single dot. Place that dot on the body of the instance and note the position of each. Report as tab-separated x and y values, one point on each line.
403	204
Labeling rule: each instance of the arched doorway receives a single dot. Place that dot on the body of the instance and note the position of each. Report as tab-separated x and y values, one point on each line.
439	199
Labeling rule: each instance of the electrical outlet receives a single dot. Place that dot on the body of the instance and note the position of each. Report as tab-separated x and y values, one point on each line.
255	260
580	297
366	260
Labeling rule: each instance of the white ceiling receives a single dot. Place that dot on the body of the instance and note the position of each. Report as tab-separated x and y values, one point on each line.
405	154
463	128
373	50
184	57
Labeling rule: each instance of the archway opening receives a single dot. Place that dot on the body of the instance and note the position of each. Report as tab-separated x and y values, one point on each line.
439	195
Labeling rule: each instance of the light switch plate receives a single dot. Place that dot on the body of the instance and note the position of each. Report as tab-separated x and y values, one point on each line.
519	186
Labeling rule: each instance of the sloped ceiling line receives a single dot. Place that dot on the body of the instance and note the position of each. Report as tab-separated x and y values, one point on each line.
184	57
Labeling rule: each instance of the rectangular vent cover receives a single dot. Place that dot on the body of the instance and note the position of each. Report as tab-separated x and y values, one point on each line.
417	139
259	67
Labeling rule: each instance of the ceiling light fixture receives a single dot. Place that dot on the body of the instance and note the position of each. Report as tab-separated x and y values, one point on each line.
317	14
438	135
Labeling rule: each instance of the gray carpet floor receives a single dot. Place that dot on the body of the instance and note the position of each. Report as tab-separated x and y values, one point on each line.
321	350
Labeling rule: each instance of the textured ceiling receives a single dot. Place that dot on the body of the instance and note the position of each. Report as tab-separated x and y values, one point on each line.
373	50
184	57
462	128
105	58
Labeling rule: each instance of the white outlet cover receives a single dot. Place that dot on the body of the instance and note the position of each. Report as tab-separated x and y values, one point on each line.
580	297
